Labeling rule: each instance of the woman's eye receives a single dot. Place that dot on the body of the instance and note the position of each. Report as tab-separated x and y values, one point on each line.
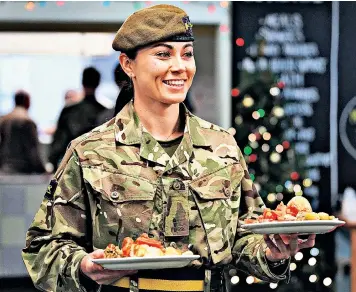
163	54
189	54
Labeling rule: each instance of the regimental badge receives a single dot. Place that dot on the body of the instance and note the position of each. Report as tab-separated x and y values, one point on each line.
188	26
51	189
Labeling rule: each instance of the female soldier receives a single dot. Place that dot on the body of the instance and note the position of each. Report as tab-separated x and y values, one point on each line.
154	168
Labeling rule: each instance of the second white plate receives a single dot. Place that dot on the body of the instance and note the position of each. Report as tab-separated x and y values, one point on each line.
146	263
300	227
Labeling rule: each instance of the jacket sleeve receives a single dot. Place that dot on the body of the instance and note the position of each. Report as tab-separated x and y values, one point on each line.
249	249
59	237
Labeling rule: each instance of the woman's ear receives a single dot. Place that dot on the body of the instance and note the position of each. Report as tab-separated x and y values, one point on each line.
126	65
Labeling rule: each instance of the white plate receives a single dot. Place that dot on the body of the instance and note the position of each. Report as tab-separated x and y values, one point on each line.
146	263
300	227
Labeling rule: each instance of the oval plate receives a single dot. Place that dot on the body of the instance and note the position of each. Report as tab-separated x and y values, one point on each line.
146	263
299	227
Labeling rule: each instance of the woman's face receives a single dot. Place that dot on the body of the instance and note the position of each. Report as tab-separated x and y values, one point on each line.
164	71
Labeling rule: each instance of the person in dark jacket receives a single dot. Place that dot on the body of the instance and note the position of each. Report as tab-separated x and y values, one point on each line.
77	119
19	146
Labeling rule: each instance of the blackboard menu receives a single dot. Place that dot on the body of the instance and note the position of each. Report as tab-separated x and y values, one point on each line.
297	49
347	97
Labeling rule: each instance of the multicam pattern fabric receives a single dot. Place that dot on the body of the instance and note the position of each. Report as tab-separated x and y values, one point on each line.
117	181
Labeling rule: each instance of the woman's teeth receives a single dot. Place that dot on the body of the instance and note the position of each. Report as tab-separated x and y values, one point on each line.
174	82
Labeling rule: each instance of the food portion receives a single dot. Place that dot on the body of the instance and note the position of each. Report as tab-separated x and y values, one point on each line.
143	246
297	209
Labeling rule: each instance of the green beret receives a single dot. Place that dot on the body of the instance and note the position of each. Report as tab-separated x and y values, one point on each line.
153	24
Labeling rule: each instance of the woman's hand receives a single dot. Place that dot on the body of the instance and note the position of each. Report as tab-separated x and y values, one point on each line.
287	245
97	272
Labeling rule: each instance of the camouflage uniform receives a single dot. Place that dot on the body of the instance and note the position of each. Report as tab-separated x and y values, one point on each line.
117	181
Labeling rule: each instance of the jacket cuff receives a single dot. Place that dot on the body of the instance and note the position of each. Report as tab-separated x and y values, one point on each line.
275	274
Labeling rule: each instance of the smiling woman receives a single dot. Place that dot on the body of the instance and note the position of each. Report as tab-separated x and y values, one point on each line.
155	168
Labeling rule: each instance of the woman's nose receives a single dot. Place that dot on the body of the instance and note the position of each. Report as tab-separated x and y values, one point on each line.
177	64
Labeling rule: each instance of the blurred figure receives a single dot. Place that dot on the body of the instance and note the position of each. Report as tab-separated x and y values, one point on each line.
19	146
78	118
120	77
71	97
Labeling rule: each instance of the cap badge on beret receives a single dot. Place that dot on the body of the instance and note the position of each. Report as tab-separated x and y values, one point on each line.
188	25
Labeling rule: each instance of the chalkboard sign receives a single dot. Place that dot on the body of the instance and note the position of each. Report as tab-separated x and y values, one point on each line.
347	97
297	49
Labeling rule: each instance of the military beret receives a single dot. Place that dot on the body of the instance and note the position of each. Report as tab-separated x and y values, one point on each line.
153	24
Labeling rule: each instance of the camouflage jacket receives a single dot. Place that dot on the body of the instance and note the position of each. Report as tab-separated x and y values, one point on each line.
117	181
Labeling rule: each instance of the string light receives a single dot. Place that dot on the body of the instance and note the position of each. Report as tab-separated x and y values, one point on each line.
275	157
256	115
261	112
254	145
266	136
274	91
313	278
288	184
300	193
247	150
280	84
211	8
279	196
286	144
224	4
271	197
252	177
314	251
273	285
265	147
262	130
298	256
60	3
250	280
279	148
294	175
42	3
238	120
240	42
273	121
224	28
30	6
252	137
234	280
307	182
293	266
248	101
297	188
278	111
253	158
235	92
279	188
106	3
312	261
327	281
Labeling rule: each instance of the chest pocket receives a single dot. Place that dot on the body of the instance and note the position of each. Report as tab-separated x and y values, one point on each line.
123	205
218	208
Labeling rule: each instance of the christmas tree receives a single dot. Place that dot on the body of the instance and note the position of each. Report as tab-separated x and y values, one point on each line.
279	172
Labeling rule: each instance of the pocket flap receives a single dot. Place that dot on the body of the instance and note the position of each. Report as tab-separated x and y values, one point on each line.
119	187
219	184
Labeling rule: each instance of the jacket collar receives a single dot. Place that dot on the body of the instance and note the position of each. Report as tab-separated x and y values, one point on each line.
128	128
129	131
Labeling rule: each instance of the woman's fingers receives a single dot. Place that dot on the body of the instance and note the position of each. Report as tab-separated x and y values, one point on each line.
270	244
293	244
281	245
309	243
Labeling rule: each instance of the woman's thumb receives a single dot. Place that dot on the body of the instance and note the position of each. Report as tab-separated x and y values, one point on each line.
97	254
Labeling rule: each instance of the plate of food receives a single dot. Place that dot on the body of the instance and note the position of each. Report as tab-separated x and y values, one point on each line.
144	253
295	217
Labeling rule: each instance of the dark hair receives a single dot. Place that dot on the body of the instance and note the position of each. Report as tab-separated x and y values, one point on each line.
91	78
125	84
22	98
